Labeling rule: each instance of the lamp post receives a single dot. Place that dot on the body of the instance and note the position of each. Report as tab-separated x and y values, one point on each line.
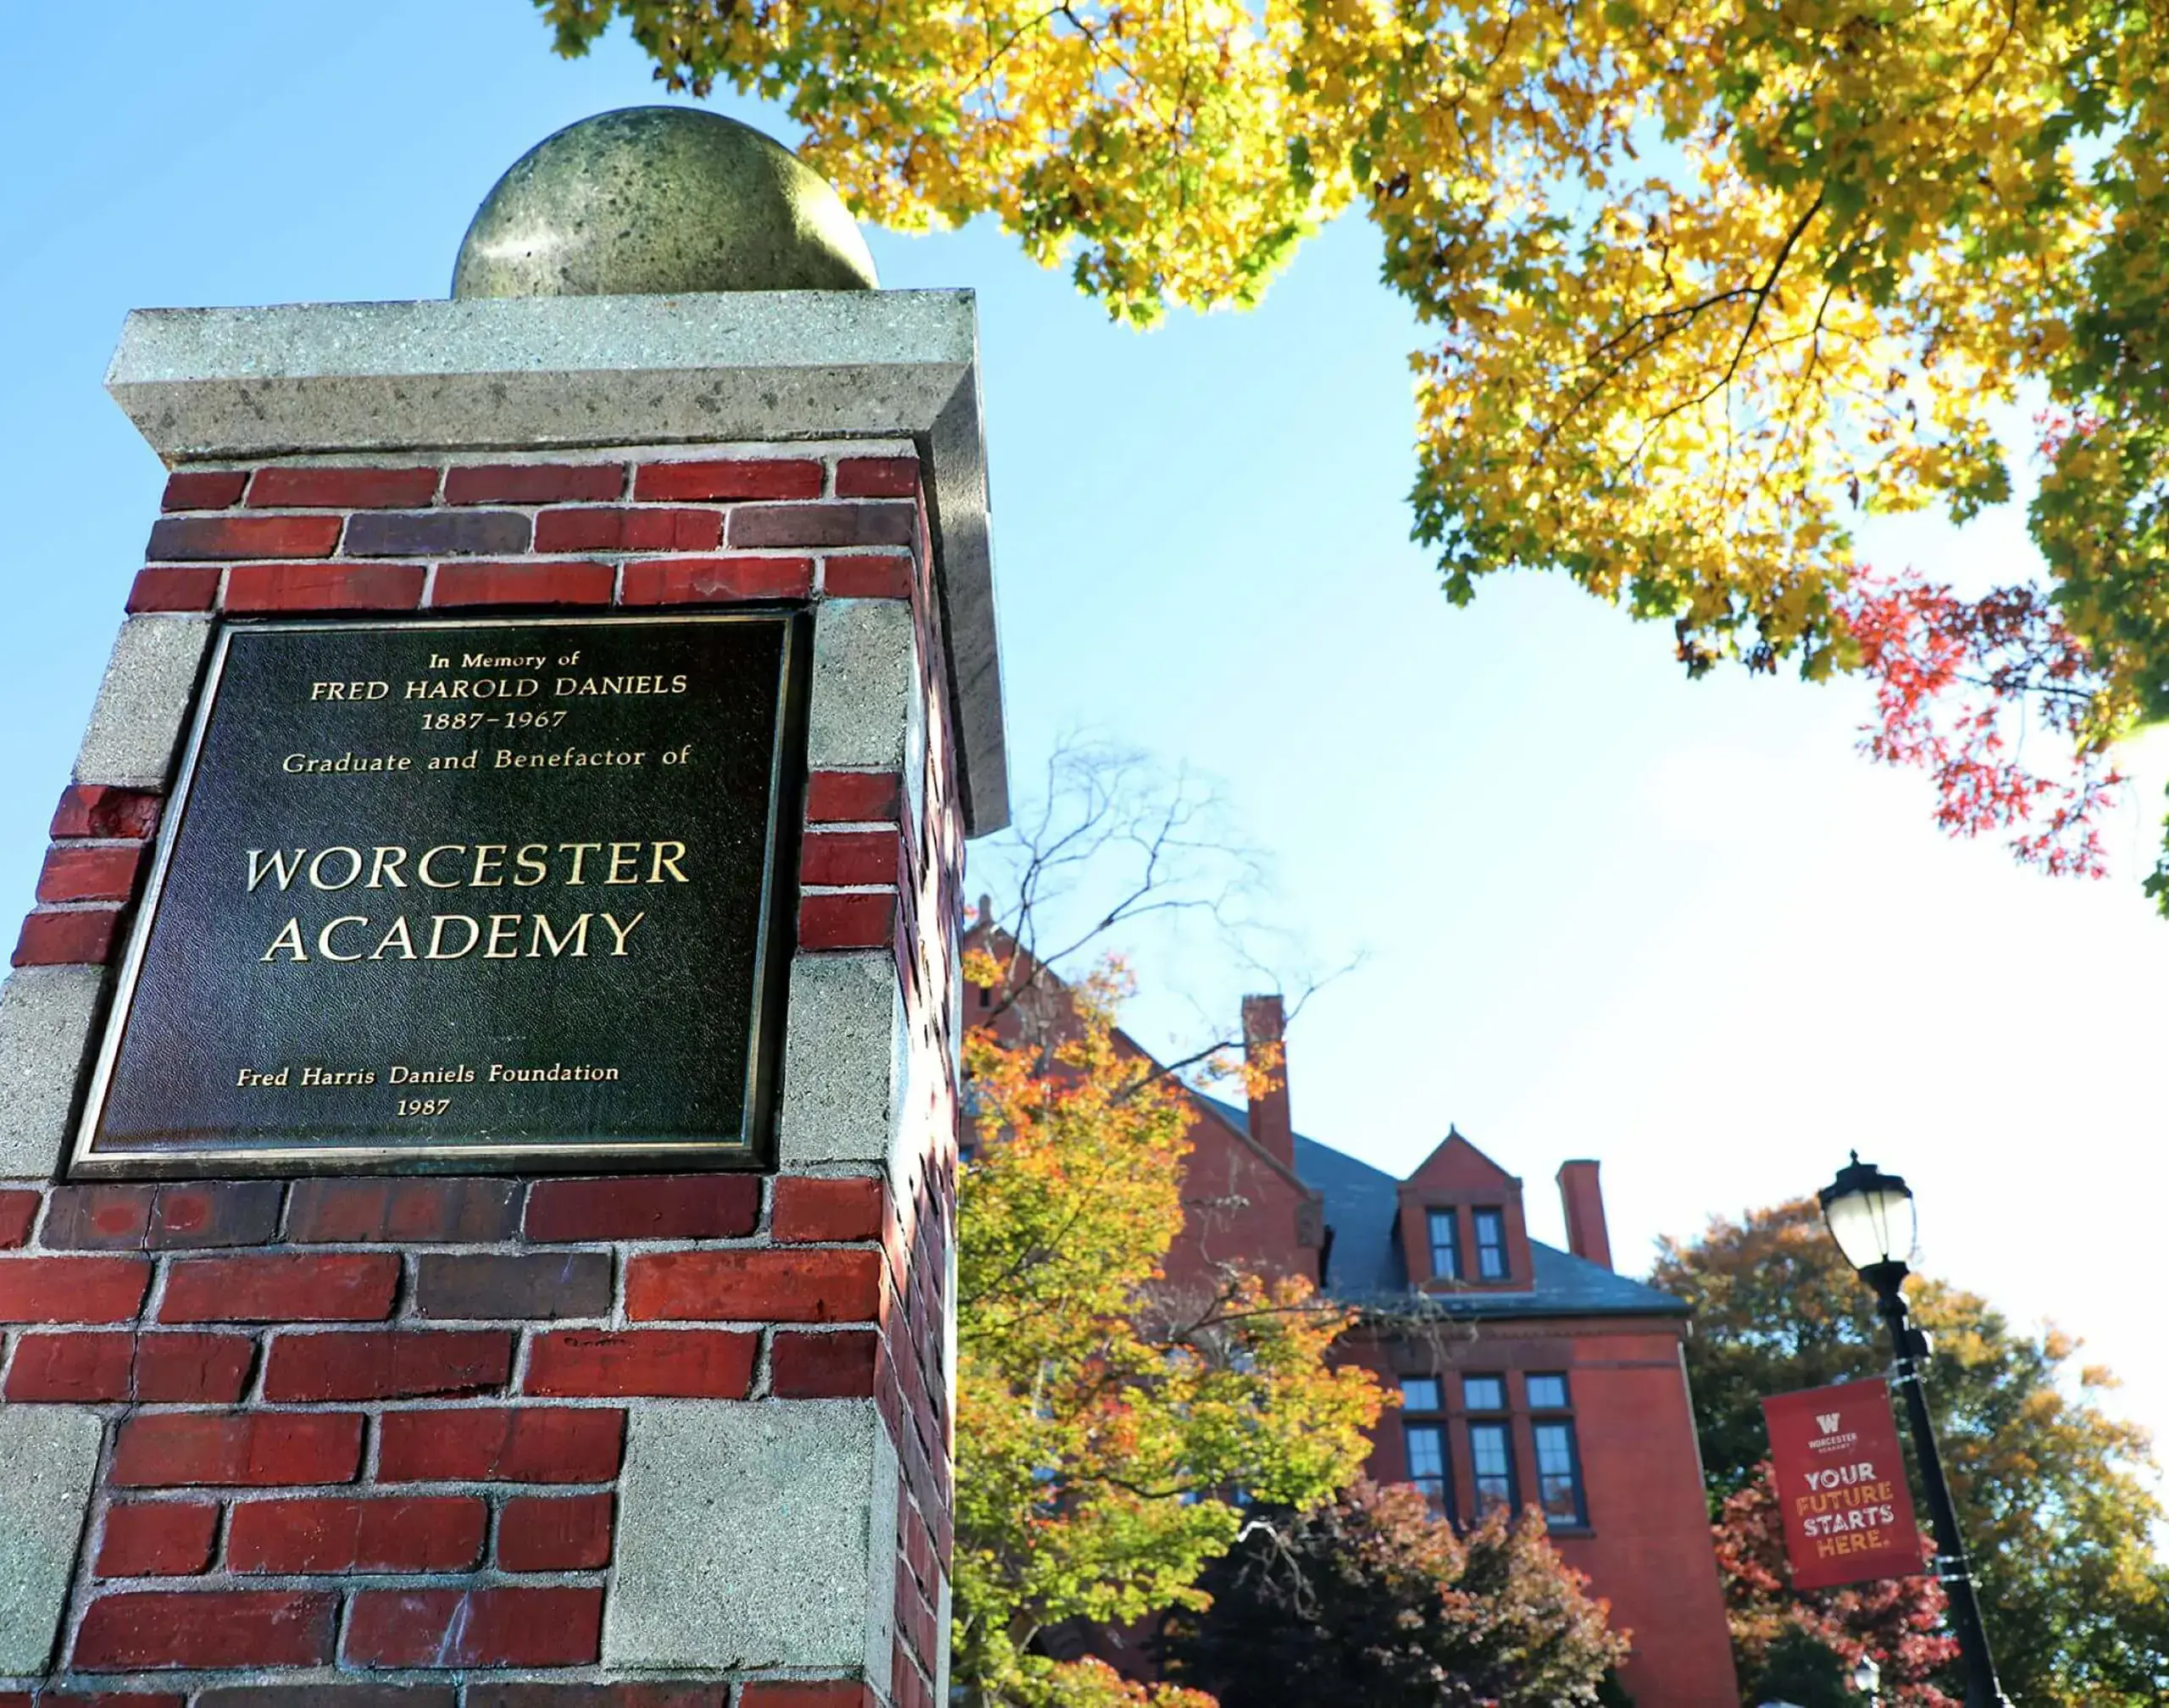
1870	1215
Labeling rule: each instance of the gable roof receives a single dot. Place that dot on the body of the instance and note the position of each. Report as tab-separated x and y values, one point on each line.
1367	1268
1455	1162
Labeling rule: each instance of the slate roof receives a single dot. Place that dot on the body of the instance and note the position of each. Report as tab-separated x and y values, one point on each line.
1367	1267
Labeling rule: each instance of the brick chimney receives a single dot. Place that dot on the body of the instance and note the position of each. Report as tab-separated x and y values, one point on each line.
1582	1200
1263	1023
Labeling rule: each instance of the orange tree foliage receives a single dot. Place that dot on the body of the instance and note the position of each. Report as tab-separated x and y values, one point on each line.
1107	1427
1704	281
1374	1602
2056	1496
1897	1621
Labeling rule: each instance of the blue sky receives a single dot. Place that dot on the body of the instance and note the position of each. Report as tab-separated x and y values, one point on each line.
1600	911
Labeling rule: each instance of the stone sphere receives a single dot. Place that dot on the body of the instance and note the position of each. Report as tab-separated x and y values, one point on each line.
655	200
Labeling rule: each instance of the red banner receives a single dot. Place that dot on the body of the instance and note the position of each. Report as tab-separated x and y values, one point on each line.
1841	1485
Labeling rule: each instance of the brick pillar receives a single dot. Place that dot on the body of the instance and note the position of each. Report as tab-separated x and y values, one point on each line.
628	1440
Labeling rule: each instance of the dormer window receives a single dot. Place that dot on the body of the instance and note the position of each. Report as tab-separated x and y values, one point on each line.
1446	1245
1490	1245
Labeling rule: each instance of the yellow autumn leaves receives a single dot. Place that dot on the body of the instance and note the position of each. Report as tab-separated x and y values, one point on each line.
1111	1424
1709	279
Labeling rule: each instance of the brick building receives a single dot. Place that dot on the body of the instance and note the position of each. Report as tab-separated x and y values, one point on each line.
1526	1374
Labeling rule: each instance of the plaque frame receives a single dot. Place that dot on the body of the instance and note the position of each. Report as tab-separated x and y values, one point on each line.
777	943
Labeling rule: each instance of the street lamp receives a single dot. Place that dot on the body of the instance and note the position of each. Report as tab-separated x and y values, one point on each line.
1871	1217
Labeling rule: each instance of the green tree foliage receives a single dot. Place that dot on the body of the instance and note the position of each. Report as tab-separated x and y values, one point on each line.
1104	1422
1800	1669
1374	1602
1706	281
2054	1494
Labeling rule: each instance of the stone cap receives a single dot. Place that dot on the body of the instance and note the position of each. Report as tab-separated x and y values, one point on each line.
563	373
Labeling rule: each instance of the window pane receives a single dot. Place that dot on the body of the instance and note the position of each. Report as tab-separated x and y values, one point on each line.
1419	1393
1547	1393
1426	1444
1491	1244
1493	1465
1446	1245
1484	1393
1558	1474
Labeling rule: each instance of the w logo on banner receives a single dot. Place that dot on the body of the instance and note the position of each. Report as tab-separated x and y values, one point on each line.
1827	1421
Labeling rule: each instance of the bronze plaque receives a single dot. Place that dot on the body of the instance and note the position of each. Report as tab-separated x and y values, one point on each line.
465	895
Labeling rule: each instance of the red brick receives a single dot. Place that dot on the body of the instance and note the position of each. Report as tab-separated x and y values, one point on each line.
475	1628
104	1217
204	489
802	1692
915	1616
341	1696
201	1214
324	587
867	575
655	1206
75	872
537	1286
184	537
142	1629
175	589
341	489
255	1449
854	797
157	1539
457	533
659	1363
808	1208
307	1287
837	1366
523	583
71	1289
877	477
178	1369
385	1364
533	1443
800	526
918	1544
91	809
771	1285
80	937
18	1214
535	483
342	1533
846	922
749	477
567	1533
849	856
717	581
533	1695
355	1213
71	1369
613	530
110	1698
